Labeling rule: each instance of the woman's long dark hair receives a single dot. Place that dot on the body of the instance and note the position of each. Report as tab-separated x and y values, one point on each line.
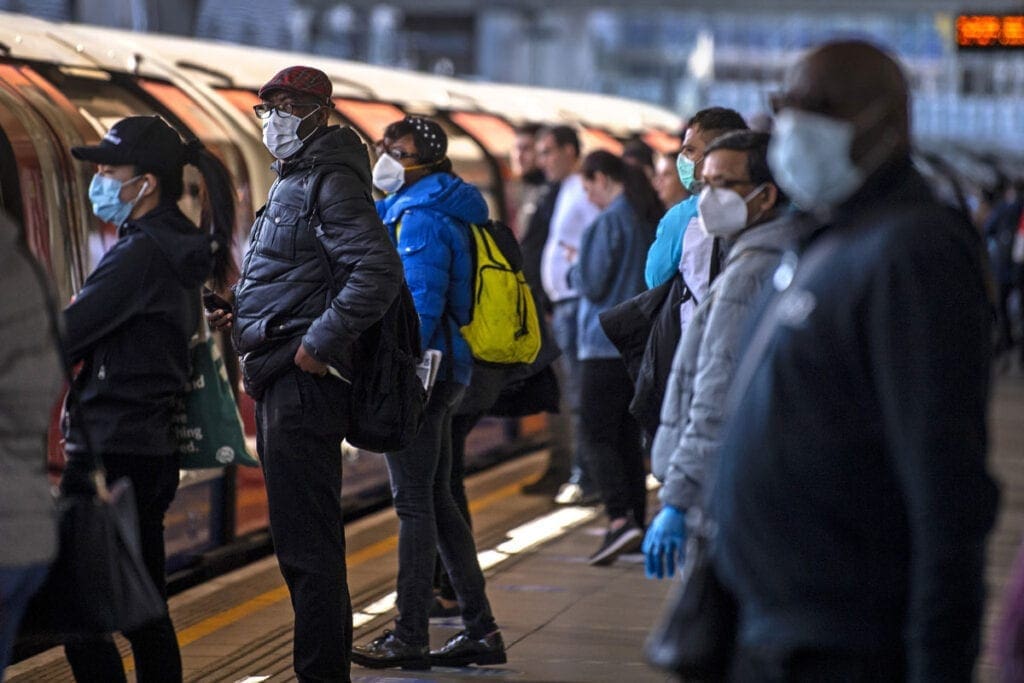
218	205
638	189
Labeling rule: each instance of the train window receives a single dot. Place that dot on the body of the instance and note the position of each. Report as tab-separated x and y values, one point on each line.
216	138
370	117
494	133
473	165
663	142
595	138
44	177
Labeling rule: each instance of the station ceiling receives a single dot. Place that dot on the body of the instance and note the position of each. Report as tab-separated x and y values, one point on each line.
811	6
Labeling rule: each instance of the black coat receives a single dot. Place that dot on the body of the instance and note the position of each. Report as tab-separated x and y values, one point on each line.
646	330
131	324
852	498
283	298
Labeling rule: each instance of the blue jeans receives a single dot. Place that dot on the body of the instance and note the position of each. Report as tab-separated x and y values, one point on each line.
17	585
430	521
565	426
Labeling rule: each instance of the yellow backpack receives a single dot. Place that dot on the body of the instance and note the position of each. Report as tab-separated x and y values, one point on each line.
503	327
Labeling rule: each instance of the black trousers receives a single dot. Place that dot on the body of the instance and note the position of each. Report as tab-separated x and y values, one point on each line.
611	437
155	645
301	420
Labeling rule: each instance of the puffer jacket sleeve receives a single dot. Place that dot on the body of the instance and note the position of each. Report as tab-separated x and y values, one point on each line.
364	262
693	458
425	249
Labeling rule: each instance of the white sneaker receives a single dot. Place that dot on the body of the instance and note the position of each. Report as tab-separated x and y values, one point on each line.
569	494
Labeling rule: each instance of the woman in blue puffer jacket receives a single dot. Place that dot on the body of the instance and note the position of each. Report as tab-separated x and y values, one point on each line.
427	213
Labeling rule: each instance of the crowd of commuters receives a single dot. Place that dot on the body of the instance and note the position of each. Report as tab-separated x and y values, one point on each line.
824	418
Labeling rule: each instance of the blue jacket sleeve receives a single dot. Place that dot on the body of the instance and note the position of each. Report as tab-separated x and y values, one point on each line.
426	258
667	249
596	268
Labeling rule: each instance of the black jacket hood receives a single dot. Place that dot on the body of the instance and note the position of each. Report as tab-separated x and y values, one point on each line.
188	249
330	146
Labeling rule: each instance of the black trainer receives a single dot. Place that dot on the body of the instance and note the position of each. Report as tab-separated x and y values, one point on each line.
461	650
388	651
626	539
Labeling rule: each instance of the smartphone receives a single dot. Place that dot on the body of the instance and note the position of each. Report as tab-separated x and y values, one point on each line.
215	302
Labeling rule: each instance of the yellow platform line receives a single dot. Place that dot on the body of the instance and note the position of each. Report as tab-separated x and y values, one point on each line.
235	614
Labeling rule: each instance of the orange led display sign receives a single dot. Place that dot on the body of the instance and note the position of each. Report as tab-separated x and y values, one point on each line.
990	31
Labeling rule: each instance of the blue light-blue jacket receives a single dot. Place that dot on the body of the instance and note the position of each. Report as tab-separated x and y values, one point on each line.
427	222
608	271
666	251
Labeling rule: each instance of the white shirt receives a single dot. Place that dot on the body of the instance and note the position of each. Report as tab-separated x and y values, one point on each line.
695	265
572	215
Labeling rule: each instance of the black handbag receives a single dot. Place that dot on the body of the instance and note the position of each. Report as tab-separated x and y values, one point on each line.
697	633
99	582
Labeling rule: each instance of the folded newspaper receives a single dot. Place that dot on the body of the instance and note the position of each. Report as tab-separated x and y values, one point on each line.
427	369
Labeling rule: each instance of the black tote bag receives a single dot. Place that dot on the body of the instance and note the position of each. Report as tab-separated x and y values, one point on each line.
697	634
98	583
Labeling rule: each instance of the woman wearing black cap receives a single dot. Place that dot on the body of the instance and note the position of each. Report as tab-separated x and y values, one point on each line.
426	214
130	325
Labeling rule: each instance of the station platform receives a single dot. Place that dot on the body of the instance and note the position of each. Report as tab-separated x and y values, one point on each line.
562	620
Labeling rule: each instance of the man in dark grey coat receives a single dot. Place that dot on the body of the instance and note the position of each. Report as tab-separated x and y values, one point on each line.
852	498
31	378
296	338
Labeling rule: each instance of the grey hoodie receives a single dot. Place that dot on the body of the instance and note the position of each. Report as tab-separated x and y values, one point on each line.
693	410
30	381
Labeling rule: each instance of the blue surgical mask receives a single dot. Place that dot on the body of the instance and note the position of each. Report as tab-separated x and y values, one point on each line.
809	156
105	195
686	168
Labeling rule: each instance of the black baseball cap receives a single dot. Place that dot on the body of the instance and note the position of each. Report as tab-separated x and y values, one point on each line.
143	141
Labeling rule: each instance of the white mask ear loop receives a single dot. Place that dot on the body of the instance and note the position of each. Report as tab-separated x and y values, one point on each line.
750	195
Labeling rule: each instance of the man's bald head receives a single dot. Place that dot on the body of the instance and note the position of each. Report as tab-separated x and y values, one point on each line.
855	81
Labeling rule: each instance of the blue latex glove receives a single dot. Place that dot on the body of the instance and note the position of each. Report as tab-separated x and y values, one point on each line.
665	543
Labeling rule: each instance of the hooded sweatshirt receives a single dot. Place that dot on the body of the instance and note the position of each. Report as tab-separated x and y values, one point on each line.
427	221
131	325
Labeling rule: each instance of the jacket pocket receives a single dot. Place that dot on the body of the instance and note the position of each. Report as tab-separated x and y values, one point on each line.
277	235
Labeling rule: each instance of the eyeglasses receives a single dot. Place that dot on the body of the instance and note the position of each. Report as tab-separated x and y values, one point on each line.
263	110
726	184
394	152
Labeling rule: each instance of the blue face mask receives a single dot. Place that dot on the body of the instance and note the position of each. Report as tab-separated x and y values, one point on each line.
686	168
105	195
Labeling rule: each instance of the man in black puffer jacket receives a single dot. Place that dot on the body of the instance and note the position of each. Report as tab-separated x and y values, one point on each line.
296	336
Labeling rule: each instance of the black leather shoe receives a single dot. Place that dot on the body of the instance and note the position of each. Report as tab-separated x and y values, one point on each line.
389	651
461	650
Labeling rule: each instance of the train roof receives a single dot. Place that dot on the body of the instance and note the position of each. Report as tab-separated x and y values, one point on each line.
228	65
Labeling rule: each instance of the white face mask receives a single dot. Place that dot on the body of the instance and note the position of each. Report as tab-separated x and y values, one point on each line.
809	156
722	212
388	174
281	133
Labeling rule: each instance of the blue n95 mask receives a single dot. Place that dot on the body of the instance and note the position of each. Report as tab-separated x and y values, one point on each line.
105	195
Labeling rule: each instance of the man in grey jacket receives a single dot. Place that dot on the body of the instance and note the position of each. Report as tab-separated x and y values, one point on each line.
740	205
31	379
